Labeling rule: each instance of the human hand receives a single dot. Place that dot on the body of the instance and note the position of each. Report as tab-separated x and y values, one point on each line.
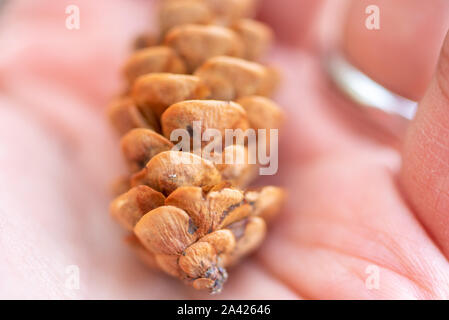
349	208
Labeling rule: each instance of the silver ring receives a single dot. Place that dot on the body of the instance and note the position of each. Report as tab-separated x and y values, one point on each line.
365	91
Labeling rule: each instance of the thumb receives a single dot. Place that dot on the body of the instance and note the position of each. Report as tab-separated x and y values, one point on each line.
425	171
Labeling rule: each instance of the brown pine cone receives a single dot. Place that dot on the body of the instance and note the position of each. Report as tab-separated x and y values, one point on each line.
189	213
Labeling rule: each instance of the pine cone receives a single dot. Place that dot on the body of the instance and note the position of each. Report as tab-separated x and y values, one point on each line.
189	215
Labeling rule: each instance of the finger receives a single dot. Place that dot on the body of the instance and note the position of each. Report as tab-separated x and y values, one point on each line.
410	35
248	281
292	20
425	172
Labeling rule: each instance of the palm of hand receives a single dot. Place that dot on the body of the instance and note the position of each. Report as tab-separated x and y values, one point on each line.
345	216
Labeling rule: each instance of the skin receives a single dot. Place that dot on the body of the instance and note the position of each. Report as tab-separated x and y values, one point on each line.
358	198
